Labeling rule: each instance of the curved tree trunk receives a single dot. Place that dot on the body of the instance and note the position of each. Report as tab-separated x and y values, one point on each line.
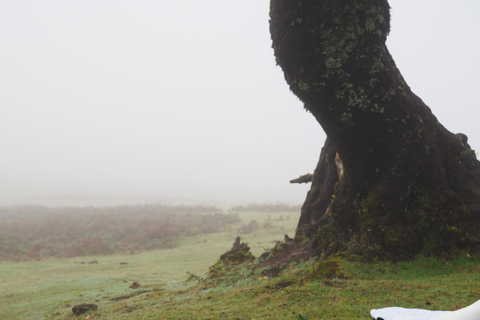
409	185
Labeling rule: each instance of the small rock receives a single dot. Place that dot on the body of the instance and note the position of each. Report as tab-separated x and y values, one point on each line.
240	252
135	285
123	263
239	246
84	308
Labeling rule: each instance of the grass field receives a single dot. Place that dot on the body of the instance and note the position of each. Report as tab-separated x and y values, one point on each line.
37	289
338	289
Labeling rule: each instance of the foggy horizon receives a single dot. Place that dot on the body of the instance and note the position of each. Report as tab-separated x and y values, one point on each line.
108	103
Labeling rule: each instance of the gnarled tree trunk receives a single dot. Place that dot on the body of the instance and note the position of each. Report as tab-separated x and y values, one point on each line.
409	185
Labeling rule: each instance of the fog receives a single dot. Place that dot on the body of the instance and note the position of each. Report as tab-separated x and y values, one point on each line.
111	102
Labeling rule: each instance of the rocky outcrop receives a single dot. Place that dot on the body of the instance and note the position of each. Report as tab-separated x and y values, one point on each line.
240	252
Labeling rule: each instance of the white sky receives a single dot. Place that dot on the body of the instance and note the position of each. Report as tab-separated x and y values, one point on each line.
107	102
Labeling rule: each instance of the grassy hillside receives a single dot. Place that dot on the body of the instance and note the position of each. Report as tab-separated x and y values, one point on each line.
35	289
339	288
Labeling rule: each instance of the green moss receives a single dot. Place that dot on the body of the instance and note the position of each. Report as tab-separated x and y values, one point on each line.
330	268
228	272
238	256
346	119
302	86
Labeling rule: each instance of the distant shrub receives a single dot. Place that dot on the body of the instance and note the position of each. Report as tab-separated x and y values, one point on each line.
268	225
249	227
35	232
267	207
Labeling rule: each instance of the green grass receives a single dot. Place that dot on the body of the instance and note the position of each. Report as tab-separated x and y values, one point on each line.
35	289
306	290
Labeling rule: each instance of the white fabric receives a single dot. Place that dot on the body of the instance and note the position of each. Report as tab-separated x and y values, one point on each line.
472	312
396	313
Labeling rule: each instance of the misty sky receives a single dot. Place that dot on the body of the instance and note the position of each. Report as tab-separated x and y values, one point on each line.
109	102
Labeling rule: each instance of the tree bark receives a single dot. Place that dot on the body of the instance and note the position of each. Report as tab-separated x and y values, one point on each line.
409	185
319	197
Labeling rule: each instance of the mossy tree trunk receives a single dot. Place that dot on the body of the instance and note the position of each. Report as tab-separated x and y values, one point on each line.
409	185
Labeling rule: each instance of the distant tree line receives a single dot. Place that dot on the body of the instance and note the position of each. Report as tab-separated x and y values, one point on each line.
37	232
267	207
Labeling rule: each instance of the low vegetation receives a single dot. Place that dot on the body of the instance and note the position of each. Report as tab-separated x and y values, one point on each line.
267	207
190	281
49	288
35	232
